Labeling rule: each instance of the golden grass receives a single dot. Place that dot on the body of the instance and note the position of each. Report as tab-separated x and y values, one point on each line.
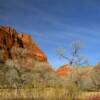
40	94
90	95
45	94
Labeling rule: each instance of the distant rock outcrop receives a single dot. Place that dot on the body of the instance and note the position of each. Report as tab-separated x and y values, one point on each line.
64	70
18	46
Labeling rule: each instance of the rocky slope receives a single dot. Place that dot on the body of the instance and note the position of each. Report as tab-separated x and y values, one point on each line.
64	70
20	47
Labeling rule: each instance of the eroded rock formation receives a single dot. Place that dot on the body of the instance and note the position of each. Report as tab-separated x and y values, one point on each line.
18	46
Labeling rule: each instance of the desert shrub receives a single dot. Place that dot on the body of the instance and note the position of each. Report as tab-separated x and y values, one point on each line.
16	76
87	80
82	78
41	67
13	74
96	77
3	81
44	76
73	90
86	84
40	75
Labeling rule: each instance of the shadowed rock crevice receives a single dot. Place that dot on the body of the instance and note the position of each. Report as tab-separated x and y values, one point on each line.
20	42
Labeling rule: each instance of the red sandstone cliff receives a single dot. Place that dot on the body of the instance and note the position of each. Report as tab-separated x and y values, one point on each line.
18	46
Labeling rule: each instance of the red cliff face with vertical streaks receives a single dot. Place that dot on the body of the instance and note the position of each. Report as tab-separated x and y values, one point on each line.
18	46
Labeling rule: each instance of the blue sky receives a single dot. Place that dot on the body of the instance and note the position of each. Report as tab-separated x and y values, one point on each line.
56	24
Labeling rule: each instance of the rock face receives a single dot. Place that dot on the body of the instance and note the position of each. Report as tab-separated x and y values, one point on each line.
18	46
64	70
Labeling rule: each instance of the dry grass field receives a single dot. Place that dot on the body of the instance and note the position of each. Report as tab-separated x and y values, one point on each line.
46	94
34	94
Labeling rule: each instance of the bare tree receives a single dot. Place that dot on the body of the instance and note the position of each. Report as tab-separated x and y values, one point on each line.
75	59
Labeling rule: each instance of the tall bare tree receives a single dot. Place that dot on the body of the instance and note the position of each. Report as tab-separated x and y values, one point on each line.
75	59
